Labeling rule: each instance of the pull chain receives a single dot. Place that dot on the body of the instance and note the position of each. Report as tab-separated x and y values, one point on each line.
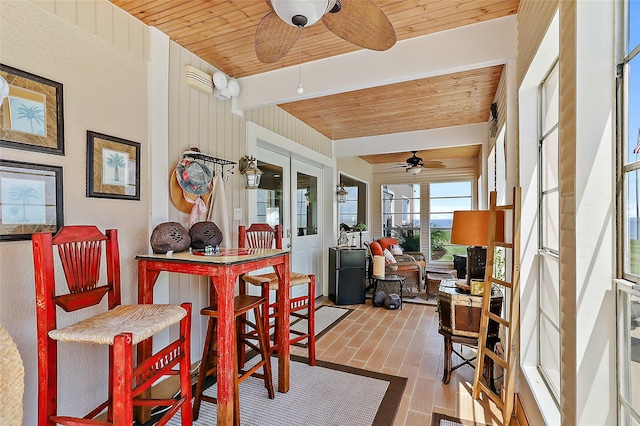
300	89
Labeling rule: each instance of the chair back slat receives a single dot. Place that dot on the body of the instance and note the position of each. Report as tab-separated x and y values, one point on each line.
80	249
81	264
260	235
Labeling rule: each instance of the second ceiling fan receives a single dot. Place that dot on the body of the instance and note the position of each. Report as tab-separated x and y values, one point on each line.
360	22
414	164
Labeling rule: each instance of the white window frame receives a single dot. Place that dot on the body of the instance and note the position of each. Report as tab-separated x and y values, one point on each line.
549	254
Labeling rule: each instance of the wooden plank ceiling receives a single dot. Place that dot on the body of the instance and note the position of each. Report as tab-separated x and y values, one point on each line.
429	103
221	32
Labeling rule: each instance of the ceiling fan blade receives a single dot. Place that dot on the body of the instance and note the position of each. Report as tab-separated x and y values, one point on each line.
397	166
433	165
274	38
362	23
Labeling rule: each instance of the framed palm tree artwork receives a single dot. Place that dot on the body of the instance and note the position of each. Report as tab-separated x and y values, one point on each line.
113	167
31	116
30	199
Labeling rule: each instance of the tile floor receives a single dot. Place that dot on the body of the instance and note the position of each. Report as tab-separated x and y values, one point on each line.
406	343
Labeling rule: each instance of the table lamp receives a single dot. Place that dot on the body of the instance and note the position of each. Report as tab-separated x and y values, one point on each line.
471	228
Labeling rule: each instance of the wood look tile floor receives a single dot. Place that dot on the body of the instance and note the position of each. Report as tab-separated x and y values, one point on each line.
406	343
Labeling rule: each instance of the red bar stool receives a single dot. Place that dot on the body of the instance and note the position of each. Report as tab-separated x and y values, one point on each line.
120	328
263	235
208	367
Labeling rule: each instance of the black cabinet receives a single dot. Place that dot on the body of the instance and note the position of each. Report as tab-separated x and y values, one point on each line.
347	277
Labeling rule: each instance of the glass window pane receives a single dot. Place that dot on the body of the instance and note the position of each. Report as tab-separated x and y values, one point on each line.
549	107
550	161
444	199
450	189
550	221
633	107
634	28
550	288
449	205
354	211
631	223
550	354
306	204
629	348
270	195
401	214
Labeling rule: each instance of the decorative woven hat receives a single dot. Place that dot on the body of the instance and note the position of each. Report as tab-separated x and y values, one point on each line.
190	179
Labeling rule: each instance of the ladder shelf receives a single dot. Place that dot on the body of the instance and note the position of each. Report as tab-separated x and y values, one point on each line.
509	285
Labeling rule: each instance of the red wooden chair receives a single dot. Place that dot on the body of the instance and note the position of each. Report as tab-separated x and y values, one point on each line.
120	327
263	235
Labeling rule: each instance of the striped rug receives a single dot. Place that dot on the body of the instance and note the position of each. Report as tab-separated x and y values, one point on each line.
326	317
327	394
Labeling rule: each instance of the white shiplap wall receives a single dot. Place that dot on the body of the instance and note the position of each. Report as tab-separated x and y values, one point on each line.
200	120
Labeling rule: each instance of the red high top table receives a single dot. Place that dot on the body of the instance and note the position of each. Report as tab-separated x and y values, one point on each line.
223	269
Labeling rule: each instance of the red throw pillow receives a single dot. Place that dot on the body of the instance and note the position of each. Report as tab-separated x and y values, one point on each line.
387	242
376	249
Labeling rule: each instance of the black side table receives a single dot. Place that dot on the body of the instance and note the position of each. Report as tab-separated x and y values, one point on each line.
388	279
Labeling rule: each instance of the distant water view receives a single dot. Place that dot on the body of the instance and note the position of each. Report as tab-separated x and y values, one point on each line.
441	223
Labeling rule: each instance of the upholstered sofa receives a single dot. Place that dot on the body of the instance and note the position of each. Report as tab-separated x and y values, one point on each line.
409	265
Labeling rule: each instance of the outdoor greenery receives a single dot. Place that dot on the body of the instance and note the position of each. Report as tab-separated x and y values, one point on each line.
408	237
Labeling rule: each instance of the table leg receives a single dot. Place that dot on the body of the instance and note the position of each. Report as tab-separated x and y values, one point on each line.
447	360
146	281
401	299
283	272
224	285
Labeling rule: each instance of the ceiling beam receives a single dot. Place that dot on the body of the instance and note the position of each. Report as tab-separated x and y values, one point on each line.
470	47
470	134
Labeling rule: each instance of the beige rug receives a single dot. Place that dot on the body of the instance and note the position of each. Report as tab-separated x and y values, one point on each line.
327	394
326	317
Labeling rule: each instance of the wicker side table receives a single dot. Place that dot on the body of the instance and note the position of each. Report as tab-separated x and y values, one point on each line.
433	282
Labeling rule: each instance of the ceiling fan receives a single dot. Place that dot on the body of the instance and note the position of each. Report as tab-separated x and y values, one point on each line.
414	164
360	22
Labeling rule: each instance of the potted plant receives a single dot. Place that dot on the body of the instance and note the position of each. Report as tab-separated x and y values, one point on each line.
360	227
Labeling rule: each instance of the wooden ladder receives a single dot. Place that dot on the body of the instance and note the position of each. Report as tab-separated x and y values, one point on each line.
509	285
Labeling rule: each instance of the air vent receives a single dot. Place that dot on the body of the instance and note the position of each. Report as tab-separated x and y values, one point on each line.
198	79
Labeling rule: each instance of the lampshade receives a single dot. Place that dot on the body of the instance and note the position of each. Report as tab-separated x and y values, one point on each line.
342	194
300	13
471	227
414	170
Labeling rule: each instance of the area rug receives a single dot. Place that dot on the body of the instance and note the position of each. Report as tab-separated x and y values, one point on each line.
439	419
326	318
327	394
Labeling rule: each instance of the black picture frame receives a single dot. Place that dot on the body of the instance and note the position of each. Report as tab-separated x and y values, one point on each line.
113	167
30	199
32	115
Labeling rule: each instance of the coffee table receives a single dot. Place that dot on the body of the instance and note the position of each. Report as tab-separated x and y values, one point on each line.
388	279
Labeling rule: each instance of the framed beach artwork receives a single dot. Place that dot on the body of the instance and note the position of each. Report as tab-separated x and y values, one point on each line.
31	117
113	167
30	199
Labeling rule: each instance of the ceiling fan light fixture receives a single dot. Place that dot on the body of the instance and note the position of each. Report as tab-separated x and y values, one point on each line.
300	13
414	170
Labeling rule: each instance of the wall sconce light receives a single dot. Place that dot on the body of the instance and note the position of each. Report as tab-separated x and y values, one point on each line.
342	194
225	86
250	172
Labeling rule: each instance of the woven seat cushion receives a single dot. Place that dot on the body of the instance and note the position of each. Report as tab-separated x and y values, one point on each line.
296	279
142	321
